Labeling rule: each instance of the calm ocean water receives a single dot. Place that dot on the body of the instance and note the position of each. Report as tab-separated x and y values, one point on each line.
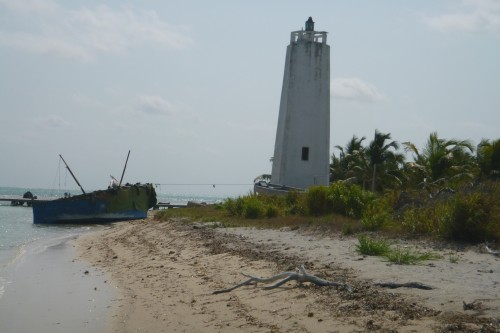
17	230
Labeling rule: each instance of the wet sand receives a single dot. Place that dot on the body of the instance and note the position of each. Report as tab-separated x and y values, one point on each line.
51	291
167	271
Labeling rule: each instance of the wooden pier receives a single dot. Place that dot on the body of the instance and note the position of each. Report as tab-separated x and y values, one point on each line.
21	201
18	201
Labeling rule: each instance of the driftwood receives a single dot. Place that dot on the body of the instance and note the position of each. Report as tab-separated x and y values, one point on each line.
490	251
476	305
394	285
300	276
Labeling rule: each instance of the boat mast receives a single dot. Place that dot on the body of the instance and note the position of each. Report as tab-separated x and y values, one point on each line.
76	180
123	173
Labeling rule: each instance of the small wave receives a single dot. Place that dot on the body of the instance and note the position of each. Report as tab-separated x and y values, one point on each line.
3	284
18	254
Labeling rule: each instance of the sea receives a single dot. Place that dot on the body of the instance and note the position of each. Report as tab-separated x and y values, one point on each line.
18	233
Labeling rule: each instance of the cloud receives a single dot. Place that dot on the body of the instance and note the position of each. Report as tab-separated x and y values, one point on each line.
355	89
46	46
106	29
85	33
155	105
470	16
30	6
51	121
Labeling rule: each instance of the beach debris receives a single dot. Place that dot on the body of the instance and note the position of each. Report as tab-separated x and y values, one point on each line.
476	305
196	204
300	276
490	251
394	285
207	225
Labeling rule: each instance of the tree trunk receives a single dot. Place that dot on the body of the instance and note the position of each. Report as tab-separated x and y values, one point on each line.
373	178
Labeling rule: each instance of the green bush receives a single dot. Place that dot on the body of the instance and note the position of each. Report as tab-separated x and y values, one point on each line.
375	215
348	200
473	217
425	220
234	206
272	211
294	203
316	199
230	206
253	208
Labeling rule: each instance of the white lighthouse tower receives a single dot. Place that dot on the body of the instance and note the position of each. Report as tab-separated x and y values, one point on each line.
302	149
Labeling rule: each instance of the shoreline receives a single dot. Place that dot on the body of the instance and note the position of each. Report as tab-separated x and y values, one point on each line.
167	271
49	290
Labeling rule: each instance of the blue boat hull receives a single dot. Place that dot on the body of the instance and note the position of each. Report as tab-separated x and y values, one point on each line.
124	203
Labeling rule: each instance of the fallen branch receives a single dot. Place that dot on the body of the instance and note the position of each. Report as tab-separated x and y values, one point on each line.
490	251
476	305
300	276
394	285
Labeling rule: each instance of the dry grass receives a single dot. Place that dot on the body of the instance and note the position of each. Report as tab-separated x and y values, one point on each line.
331	222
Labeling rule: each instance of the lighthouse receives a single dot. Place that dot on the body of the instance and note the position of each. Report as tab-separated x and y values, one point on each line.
302	147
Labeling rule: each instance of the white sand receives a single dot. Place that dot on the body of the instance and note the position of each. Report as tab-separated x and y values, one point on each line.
166	272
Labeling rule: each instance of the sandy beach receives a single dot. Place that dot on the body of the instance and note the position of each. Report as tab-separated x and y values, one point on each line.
166	273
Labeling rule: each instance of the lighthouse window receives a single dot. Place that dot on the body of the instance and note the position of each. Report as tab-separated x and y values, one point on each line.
305	153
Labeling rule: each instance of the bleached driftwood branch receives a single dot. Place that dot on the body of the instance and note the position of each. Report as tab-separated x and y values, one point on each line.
300	276
490	251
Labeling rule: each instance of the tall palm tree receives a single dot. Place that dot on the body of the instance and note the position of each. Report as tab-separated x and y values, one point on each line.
441	159
382	152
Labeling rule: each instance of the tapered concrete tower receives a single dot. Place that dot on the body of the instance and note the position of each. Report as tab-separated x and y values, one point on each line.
302	148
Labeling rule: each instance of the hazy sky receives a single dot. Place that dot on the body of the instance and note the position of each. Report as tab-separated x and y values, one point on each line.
192	88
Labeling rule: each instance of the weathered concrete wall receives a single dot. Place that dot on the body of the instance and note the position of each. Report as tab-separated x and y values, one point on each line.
304	116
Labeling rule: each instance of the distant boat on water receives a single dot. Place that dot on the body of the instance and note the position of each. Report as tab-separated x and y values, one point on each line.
117	203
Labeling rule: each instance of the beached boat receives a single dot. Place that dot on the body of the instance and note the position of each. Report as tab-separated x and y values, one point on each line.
262	185
117	203
128	202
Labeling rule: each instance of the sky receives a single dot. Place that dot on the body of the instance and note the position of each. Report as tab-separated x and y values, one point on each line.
192	88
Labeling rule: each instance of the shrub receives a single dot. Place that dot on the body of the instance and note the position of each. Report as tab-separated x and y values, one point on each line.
337	196
348	229
372	247
230	205
292	198
294	203
253	208
473	217
348	200
234	206
316	199
272	211
357	200
375	215
425	220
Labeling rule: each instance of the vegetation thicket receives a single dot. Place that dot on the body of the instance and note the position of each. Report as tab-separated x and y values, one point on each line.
449	190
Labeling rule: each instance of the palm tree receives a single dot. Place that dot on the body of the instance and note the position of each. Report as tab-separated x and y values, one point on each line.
441	159
488	158
344	167
382	154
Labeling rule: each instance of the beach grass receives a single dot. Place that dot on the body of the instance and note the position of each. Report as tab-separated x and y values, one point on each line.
400	256
409	257
371	247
